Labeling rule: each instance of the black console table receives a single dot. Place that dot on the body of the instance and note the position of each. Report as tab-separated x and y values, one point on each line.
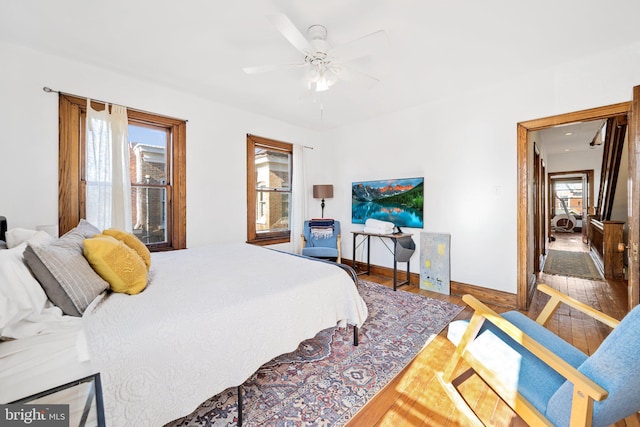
395	238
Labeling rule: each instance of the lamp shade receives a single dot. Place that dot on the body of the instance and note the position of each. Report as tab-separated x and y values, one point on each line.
323	191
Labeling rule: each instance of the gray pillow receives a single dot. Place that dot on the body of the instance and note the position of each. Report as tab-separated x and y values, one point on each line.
87	229
64	273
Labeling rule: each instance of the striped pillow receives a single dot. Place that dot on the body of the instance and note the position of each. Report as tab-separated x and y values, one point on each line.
64	273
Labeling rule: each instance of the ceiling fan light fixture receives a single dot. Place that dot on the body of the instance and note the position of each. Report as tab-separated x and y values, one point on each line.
314	75
321	85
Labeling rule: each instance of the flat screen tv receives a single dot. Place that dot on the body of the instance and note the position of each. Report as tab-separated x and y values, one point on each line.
400	201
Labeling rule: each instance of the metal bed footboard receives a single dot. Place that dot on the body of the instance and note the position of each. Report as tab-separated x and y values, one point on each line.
354	276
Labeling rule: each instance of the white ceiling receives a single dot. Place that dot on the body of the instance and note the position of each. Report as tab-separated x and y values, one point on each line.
570	138
435	48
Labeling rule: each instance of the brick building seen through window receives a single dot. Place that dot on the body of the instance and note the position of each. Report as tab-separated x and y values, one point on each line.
147	165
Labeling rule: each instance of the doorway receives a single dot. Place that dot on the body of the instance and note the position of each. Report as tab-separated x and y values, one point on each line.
526	216
571	200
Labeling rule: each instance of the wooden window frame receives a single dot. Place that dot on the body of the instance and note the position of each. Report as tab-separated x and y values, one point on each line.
269	238
71	194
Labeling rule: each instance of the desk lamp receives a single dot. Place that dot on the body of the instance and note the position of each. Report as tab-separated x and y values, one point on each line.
323	192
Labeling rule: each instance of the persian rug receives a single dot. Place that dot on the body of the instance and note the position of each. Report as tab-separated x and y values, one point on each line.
328	379
573	264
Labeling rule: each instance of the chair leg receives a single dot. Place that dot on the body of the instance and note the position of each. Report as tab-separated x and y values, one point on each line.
459	402
469	335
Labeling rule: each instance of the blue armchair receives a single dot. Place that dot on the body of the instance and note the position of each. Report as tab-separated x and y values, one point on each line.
321	239
544	379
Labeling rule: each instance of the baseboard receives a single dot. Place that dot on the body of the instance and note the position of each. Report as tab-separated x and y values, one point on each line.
486	295
597	261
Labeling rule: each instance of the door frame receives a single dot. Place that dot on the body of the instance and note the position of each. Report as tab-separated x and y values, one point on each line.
526	277
633	128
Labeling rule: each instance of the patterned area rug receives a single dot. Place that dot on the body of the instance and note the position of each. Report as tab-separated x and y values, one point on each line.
327	379
573	264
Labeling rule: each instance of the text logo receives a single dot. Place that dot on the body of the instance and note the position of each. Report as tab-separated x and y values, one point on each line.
34	415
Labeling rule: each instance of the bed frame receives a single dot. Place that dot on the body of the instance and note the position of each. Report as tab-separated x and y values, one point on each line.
354	276
3	228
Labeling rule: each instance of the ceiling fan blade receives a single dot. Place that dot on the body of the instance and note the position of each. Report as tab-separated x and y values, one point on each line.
266	68
353	76
364	46
290	32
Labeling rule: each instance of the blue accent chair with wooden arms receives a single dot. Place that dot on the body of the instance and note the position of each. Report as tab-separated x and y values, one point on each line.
543	378
321	239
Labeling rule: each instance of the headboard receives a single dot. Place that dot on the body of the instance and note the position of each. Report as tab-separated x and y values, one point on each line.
3	227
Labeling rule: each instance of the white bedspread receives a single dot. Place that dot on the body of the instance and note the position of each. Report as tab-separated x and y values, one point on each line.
210	317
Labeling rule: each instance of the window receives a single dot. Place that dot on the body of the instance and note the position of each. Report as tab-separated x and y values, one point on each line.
269	171
157	165
149	168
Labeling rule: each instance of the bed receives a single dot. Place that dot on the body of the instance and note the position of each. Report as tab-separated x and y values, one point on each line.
209	318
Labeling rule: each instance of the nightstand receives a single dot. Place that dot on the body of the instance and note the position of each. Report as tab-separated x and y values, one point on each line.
84	397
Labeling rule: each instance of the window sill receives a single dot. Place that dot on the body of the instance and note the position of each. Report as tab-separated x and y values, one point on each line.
269	241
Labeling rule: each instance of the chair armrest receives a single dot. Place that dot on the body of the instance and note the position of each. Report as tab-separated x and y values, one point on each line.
580	381
557	297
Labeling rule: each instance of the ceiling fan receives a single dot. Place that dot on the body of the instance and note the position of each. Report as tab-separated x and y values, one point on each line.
324	64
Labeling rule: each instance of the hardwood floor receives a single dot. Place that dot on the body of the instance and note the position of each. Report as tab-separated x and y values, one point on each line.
415	397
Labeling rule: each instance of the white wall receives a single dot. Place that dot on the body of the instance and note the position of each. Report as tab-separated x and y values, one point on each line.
465	147
216	142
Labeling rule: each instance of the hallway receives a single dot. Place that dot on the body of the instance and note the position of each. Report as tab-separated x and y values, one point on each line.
569	242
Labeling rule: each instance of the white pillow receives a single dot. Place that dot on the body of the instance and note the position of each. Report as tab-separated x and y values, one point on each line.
16	236
21	296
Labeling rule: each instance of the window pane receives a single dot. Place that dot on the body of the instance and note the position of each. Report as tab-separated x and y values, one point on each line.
570	192
272	211
149	211
272	169
148	154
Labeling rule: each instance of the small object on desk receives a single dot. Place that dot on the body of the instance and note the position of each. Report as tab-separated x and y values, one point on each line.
401	252
375	226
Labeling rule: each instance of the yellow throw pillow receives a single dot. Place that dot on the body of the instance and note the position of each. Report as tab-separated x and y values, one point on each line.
133	242
116	263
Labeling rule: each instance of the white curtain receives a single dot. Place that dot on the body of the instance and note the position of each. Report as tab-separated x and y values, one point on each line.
108	191
299	195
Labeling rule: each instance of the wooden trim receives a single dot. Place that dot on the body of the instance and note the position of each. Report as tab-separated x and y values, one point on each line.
577	116
71	185
634	200
524	228
486	295
179	175
251	202
523	221
252	234
68	165
271	143
613	147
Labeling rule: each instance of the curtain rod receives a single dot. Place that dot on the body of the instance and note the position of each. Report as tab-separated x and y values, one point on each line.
49	90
